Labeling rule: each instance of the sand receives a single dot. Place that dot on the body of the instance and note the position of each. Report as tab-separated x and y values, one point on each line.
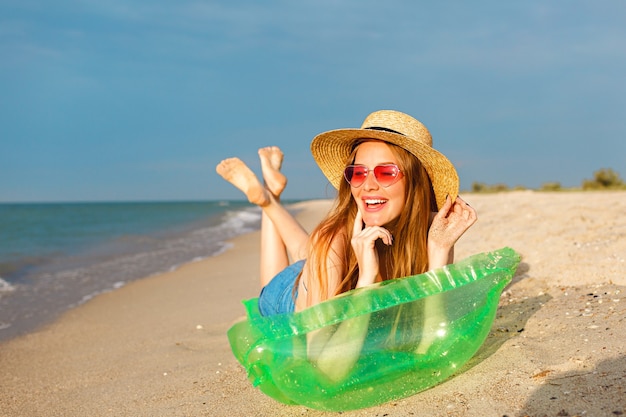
158	347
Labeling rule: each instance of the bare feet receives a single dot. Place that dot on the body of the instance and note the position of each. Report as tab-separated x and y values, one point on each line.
271	161
238	174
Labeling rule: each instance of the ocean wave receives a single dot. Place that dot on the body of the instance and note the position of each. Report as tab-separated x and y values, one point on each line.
5	286
68	280
242	221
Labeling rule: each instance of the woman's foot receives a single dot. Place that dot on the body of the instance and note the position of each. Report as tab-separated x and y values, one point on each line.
238	174
271	161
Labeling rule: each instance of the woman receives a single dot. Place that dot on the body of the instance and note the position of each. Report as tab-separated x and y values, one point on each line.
396	214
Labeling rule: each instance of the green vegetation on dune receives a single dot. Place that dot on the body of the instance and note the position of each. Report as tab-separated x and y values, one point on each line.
603	179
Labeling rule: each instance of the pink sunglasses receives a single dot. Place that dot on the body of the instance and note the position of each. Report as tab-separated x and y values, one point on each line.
386	175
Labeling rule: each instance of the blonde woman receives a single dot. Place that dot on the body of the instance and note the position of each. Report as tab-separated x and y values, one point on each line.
396	214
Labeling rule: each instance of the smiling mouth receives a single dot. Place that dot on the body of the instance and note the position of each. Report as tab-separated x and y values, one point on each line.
374	202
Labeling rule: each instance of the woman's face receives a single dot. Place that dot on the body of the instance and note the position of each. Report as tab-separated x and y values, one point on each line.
377	204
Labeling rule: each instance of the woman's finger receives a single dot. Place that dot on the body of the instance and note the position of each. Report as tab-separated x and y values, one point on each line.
371	234
445	209
358	223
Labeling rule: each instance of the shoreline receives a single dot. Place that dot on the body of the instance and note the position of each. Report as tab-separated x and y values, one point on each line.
158	346
104	251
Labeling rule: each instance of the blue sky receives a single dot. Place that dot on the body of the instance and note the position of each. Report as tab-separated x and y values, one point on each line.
140	99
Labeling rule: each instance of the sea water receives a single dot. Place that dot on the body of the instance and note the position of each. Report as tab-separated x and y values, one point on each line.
56	256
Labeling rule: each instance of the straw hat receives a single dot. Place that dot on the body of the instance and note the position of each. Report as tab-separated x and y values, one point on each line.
331	149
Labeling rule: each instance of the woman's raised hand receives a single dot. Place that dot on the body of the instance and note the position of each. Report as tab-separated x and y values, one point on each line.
363	240
448	226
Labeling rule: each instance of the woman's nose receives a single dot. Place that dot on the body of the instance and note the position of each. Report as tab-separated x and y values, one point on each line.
370	182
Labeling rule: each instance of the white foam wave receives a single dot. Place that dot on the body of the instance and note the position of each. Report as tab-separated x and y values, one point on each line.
243	220
224	248
5	286
233	223
116	286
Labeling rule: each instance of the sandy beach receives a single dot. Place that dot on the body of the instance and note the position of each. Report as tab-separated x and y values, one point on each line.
158	346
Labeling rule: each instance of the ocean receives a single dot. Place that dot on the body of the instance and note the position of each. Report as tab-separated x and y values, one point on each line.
56	256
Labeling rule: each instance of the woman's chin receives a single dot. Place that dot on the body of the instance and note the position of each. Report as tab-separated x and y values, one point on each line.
372	221
382	221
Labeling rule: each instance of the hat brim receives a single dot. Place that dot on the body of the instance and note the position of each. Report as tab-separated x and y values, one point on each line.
332	149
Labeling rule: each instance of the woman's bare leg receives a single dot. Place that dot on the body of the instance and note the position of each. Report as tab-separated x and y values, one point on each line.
271	161
293	236
274	257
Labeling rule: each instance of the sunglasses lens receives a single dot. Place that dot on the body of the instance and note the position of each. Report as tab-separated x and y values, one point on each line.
355	175
386	175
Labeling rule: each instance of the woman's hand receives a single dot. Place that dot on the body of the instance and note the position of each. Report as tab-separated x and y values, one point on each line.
363	240
447	227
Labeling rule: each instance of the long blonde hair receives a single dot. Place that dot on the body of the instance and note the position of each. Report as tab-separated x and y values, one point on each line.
407	256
